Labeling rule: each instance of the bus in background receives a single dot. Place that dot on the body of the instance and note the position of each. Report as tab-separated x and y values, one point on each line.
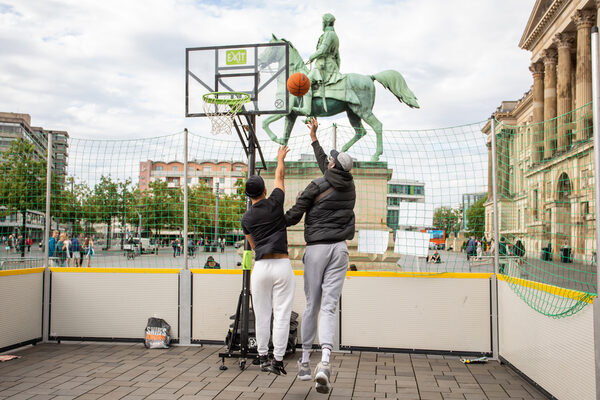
437	238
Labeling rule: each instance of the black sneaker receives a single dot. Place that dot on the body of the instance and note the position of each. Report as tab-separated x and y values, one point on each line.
264	362
276	367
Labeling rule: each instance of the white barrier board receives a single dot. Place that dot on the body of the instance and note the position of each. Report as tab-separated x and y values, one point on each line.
417	313
112	305
556	353
20	308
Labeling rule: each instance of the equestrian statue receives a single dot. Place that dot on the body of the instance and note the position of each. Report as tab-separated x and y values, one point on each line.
332	92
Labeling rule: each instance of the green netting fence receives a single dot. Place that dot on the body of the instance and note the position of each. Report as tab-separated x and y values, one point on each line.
546	210
424	207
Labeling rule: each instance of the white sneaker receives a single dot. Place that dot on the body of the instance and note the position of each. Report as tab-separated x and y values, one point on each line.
304	371
322	375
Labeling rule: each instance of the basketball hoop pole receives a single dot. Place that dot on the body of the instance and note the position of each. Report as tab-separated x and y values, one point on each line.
246	272
241	321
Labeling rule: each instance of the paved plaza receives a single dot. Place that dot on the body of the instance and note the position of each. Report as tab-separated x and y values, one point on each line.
129	371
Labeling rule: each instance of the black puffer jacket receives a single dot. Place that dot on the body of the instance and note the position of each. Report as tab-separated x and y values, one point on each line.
331	218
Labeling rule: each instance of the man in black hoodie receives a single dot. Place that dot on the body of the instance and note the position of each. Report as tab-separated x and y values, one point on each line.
328	202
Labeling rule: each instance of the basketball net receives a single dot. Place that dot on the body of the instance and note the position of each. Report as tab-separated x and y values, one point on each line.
221	108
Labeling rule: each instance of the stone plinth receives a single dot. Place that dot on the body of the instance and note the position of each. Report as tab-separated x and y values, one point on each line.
455	241
371	180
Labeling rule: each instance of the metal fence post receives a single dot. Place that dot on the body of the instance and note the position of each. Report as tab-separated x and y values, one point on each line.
596	121
185	276
494	282
45	245
185	200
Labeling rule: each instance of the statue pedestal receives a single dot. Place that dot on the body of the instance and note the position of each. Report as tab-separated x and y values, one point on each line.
371	180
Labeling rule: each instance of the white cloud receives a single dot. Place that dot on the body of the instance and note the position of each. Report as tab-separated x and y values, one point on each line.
115	69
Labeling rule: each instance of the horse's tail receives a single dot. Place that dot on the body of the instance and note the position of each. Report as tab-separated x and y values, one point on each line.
395	83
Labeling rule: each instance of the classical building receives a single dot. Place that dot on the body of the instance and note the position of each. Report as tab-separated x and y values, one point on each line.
225	174
544	146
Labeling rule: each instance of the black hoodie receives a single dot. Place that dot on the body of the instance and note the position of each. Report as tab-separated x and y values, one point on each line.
329	219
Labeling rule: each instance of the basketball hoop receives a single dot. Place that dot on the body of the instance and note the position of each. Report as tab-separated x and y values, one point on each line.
222	107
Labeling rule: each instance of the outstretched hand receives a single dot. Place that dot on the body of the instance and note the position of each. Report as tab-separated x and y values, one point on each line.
282	152
313	125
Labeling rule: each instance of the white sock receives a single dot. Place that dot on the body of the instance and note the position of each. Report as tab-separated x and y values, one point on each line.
305	356
325	355
277	358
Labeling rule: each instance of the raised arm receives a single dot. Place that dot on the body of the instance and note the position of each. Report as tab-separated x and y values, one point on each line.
320	155
280	170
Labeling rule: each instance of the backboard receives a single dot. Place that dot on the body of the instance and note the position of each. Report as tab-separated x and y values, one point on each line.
261	70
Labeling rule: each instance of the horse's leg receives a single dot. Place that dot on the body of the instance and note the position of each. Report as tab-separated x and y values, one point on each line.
359	130
268	121
290	120
374	123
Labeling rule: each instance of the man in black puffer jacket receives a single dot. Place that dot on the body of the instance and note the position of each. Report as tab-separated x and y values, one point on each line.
328	202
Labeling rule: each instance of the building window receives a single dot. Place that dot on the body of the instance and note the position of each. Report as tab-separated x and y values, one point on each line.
221	181
223	169
207	169
238	168
585	178
392	218
174	169
393	201
535	204
159	168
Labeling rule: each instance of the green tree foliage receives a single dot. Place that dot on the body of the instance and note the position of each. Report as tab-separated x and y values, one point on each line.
104	203
476	218
22	182
447	218
161	207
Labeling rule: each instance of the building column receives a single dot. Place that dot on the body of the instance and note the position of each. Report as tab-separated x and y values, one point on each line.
584	20
490	171
550	60
564	41
537	137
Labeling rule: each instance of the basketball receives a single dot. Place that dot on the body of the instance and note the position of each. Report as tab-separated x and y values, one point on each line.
298	84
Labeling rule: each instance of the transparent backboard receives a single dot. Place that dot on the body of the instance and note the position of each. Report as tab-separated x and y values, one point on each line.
261	70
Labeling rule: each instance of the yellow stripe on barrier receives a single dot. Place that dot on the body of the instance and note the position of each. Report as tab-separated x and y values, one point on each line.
118	270
22	271
445	275
216	271
375	274
555	290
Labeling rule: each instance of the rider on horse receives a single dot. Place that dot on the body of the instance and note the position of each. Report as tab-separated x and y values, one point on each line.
327	65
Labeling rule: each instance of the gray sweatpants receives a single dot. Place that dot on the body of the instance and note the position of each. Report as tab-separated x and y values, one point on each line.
325	268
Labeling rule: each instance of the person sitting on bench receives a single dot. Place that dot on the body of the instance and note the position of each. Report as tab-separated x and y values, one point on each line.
435	258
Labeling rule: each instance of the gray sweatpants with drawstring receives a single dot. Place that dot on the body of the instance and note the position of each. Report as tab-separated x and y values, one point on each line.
325	268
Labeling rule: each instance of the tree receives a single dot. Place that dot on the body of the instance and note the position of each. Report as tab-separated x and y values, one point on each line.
476	218
103	203
22	182
447	219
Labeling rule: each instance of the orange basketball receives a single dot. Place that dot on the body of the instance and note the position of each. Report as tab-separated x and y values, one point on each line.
298	84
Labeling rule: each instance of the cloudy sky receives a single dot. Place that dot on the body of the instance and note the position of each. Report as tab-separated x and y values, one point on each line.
115	69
